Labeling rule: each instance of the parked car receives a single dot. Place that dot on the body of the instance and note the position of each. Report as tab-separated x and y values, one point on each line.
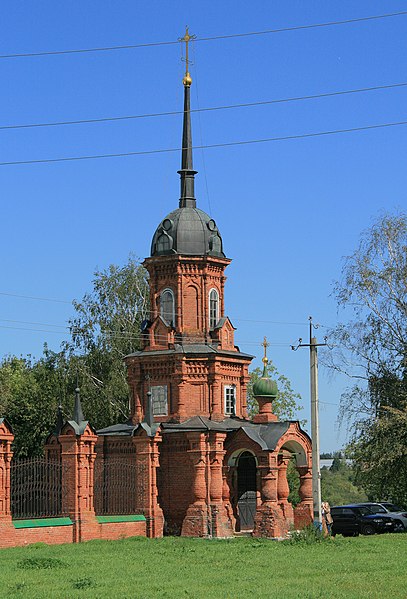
350	520
398	514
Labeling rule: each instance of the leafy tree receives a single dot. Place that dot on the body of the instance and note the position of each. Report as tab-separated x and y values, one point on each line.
29	393
286	405
372	349
380	455
105	329
338	464
293	479
338	486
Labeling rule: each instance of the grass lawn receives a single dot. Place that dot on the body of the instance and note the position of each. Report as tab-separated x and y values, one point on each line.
173	567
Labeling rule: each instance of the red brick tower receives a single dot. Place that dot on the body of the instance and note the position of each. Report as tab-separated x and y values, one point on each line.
189	362
205	469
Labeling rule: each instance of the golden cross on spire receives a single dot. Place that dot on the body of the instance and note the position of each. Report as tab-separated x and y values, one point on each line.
187	80
265	345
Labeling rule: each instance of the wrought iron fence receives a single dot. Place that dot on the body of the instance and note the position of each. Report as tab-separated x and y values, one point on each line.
36	488
118	486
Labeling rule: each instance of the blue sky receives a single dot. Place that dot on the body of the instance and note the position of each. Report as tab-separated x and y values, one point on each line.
288	211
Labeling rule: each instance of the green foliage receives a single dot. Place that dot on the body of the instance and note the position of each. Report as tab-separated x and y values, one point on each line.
83	583
307	536
40	563
106	328
380	455
29	393
338	485
293	479
338	464
372	348
286	405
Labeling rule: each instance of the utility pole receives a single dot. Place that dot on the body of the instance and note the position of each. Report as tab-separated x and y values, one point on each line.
316	472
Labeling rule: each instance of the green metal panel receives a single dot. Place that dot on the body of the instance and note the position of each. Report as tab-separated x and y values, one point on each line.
125	518
42	522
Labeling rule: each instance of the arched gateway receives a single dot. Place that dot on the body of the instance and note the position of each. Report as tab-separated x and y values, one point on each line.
203	468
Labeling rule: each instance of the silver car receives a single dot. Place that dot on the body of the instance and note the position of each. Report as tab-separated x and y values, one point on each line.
393	511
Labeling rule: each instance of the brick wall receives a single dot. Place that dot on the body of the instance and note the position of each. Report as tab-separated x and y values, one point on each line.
77	452
174	478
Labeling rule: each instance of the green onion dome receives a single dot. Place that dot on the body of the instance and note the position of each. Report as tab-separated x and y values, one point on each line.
264	386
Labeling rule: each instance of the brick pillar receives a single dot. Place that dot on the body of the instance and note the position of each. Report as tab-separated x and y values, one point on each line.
182	401
78	459
269	520
303	513
196	521
222	525
283	490
147	462
52	449
244	379
226	497
265	411
6	439
216	407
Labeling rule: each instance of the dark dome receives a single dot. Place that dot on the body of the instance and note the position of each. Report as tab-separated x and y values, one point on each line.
187	231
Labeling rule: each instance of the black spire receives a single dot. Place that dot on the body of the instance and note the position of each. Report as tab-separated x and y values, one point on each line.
77	412
60	421
187	172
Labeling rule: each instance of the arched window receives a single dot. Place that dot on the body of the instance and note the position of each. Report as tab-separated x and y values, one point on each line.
213	308
167	307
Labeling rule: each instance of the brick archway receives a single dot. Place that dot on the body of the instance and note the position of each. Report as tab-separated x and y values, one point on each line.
246	491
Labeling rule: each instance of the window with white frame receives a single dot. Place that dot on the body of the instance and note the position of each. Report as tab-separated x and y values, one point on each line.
230	399
167	306
213	308
159	398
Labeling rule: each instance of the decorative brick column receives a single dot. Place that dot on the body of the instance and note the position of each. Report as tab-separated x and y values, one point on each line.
283	490
182	400
6	439
221	525
196	522
269	520
226	497
147	462
303	513
78	457
216	399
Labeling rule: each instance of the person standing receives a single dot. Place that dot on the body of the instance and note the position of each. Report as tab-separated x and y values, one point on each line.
326	517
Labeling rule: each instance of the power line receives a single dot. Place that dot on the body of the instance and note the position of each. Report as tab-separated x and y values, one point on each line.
47	299
43	299
204	39
218	145
64	326
41	324
125	336
208	109
299	27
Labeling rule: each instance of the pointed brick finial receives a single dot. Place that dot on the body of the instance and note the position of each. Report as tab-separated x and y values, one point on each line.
78	413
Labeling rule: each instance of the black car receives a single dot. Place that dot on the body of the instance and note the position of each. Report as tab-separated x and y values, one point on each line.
350	520
395	512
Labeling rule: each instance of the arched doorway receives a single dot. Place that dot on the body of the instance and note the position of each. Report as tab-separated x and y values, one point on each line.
246	490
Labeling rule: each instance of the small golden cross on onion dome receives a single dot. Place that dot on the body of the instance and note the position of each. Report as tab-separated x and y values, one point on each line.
265	345
187	80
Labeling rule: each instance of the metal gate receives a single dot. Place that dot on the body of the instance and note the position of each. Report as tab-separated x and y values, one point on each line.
118	486
246	490
36	488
